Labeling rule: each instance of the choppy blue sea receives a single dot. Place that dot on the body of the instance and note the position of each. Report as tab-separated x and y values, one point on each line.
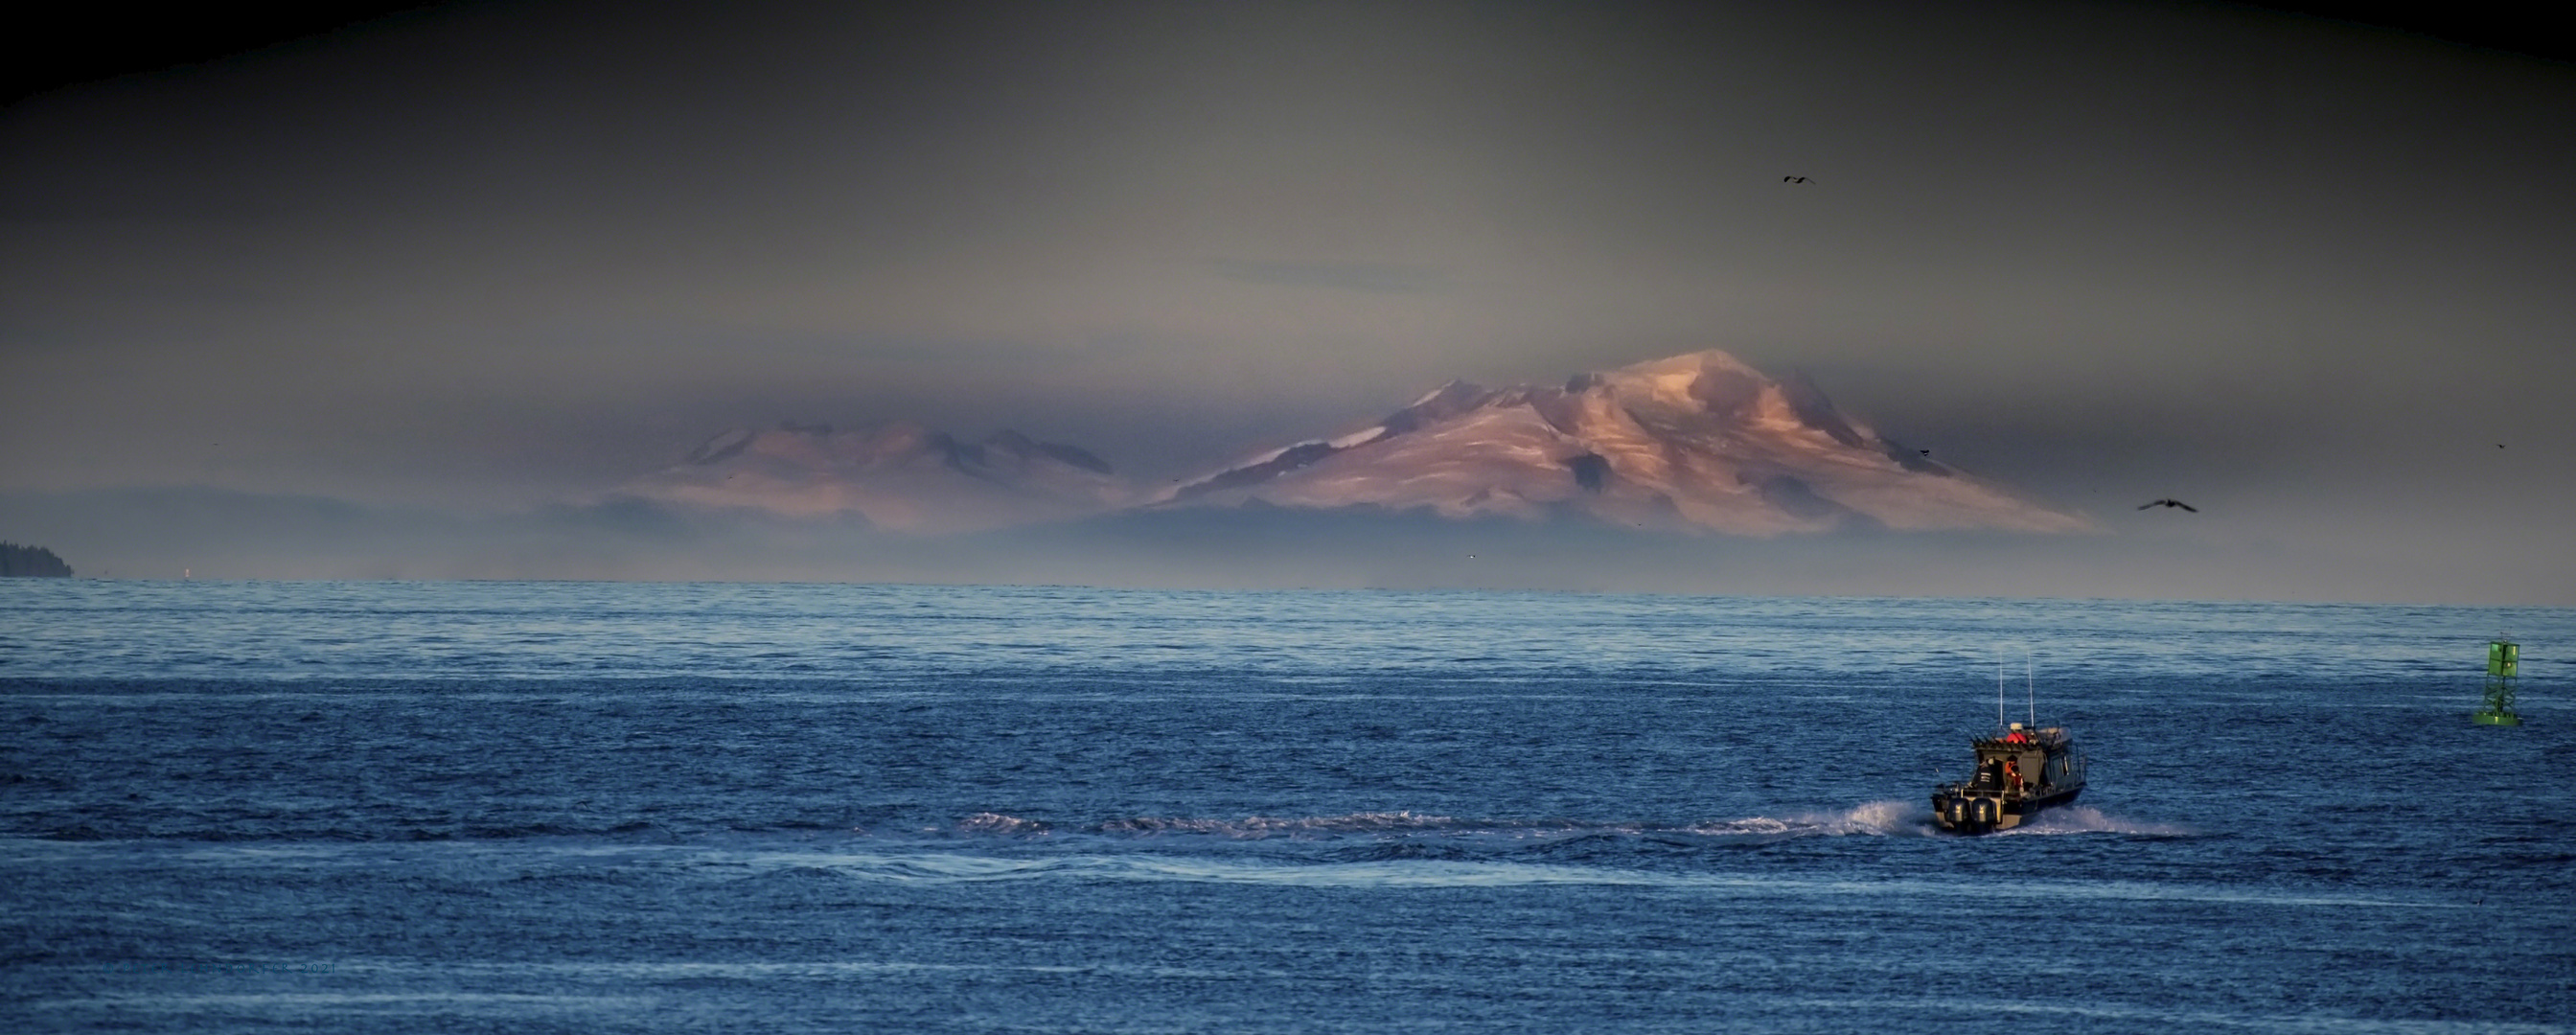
407	807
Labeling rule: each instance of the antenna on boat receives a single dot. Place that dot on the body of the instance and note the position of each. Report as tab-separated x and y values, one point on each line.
2030	682
1999	695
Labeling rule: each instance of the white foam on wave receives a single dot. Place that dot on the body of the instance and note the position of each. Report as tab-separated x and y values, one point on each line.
1253	828
956	868
997	823
1408	873
1884	818
2085	819
1890	817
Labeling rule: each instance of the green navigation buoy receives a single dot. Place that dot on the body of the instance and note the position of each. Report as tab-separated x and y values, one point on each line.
2504	665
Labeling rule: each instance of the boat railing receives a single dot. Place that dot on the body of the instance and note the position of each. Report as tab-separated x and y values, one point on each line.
1974	788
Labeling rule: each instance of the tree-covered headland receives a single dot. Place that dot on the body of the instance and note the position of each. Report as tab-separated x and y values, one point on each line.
16	560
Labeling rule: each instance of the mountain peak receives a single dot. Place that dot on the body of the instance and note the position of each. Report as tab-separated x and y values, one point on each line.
1708	380
1700	440
1704	359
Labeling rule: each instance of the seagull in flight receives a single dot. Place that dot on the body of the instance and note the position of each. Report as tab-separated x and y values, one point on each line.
1793	179
2170	503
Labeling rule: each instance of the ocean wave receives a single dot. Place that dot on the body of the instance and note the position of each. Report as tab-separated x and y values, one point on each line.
1402	864
1253	828
1889	817
1884	818
399	831
1877	818
1006	826
2085	819
1388	871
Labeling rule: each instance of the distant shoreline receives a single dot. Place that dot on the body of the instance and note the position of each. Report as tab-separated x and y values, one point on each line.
31	562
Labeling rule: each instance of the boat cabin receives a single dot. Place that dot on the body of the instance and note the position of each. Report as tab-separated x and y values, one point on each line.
2025	760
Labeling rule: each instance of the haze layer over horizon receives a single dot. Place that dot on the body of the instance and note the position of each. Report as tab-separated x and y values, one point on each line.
483	258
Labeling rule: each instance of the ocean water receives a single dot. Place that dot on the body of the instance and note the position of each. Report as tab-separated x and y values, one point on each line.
409	807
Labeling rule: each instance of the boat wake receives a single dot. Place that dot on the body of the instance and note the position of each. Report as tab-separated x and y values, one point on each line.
1381	849
1889	818
1884	818
2085	819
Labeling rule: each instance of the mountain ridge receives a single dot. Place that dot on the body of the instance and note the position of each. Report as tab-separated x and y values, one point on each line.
1699	442
896	475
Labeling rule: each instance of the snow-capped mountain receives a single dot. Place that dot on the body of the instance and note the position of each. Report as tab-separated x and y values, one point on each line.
1697	441
898	476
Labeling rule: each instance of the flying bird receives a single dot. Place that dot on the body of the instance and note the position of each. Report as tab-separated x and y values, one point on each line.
2170	503
1793	179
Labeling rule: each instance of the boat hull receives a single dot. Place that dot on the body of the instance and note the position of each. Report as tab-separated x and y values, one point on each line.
1962	809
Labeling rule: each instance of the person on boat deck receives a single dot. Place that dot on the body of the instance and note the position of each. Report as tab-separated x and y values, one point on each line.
2017	736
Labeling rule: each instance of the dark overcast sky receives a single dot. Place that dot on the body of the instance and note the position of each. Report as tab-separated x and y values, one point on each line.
493	254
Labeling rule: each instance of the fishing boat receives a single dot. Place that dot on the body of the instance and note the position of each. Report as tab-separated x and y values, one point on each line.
2022	771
